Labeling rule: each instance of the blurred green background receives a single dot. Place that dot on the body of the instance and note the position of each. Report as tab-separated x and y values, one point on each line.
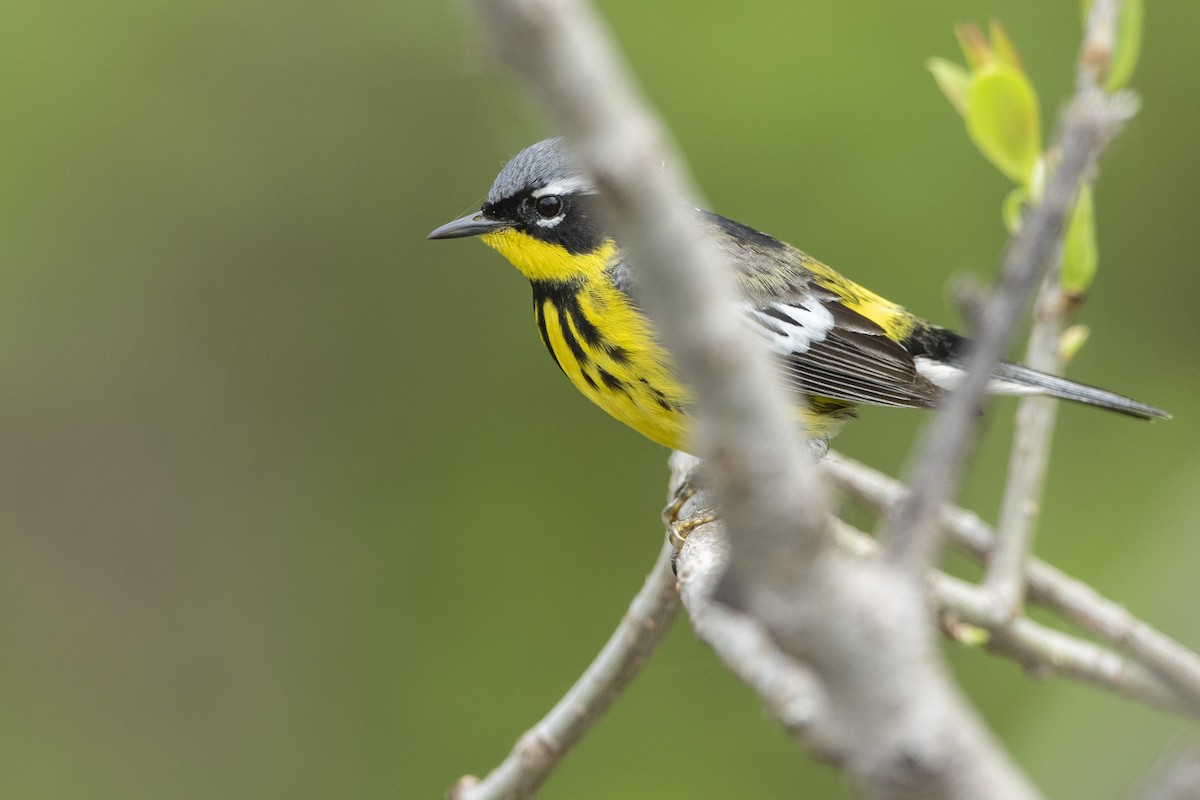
294	504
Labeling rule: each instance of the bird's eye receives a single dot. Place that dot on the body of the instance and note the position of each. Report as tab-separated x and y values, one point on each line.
549	207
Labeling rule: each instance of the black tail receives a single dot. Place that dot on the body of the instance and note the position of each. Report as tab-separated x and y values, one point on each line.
1064	389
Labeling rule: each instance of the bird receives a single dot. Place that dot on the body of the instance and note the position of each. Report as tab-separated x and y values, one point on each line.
835	344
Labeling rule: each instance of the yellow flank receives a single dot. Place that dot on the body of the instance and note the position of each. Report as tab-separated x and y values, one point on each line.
635	387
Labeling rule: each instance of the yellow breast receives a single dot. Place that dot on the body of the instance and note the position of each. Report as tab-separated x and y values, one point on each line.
607	347
608	350
598	337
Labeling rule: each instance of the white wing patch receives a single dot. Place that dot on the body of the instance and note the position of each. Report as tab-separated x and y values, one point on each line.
948	377
790	328
939	373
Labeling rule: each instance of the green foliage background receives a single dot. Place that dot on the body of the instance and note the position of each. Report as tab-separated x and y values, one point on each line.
292	503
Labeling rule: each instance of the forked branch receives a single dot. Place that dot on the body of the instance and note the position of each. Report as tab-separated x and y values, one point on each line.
839	640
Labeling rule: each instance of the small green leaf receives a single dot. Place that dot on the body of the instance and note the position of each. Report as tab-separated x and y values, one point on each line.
1003	120
974	44
1003	49
1080	255
1127	47
1013	209
952	80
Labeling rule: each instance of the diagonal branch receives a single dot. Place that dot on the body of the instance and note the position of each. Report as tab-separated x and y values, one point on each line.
542	747
911	735
850	638
1092	119
1049	587
794	696
1030	457
1005	579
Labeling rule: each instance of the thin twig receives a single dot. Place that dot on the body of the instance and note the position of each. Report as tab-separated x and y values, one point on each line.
1004	582
1099	41
794	697
539	750
912	535
1042	651
1049	587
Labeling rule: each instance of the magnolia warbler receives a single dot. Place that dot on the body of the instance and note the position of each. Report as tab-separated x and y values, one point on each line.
836	344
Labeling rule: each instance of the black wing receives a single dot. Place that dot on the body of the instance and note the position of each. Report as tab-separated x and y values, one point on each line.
828	350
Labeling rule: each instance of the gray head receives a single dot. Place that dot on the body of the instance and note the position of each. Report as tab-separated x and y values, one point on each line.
548	167
541	193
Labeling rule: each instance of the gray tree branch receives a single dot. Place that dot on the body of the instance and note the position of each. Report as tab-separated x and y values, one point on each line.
1071	599
896	724
912	535
839	642
1005	579
1092	119
543	746
1029	459
1042	651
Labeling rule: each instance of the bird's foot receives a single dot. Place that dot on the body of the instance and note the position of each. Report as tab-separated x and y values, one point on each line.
677	532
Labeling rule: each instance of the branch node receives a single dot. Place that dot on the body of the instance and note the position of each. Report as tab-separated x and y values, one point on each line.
534	747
